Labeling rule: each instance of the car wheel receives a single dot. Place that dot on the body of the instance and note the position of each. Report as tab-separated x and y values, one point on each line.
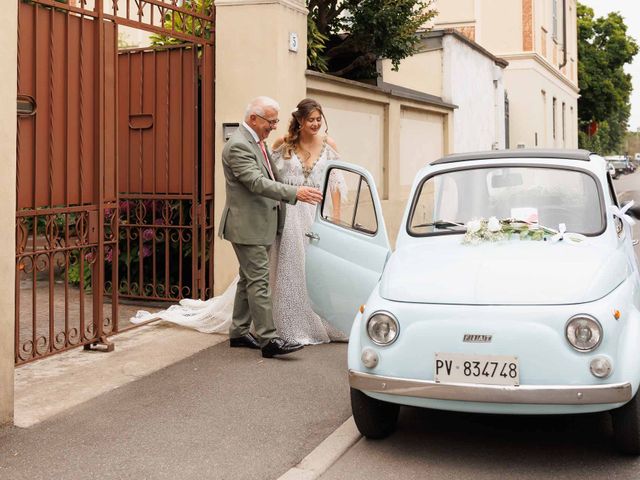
374	418
626	426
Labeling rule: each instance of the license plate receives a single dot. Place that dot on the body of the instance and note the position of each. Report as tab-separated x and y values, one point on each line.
484	369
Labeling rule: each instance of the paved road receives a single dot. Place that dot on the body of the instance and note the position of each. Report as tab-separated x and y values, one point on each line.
220	414
446	445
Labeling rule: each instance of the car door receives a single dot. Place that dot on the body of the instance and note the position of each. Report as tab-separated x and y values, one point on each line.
626	233
348	245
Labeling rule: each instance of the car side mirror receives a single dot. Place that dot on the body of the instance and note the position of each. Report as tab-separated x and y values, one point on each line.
630	196
634	211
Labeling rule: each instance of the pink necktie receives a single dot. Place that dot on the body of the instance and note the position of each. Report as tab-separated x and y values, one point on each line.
266	160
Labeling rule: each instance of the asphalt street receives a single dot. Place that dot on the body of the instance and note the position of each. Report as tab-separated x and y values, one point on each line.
220	414
430	444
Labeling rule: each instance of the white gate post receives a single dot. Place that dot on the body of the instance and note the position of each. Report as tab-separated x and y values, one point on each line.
8	94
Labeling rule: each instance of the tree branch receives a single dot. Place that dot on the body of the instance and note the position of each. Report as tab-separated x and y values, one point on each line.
359	62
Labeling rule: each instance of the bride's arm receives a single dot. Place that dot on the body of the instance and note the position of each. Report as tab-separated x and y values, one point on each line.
334	185
335	202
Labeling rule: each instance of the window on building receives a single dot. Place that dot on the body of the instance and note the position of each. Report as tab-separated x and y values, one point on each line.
506	120
553	119
545	119
564	108
573	127
554	22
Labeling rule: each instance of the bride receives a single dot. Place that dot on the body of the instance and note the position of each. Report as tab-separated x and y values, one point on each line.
301	157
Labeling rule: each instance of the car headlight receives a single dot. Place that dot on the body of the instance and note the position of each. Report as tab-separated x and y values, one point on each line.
382	328
583	332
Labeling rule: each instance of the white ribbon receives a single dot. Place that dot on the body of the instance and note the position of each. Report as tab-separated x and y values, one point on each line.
569	238
562	229
621	213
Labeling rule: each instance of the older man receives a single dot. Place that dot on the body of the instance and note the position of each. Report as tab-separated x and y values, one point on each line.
250	221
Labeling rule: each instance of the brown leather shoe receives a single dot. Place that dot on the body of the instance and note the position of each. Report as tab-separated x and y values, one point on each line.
246	341
278	346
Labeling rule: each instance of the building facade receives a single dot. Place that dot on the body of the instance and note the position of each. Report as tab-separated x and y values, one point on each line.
539	40
446	62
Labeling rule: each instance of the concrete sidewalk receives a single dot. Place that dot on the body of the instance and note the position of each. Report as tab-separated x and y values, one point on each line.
174	403
54	384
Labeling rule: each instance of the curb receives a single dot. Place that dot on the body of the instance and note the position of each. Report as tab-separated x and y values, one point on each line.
326	454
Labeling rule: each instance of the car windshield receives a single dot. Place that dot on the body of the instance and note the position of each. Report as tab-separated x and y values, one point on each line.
543	195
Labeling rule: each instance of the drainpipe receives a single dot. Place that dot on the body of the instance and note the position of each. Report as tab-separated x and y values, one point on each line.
564	34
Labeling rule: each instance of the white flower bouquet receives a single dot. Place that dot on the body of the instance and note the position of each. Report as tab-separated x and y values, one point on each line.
494	229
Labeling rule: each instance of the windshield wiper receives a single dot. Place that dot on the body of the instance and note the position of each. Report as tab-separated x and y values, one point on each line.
443	224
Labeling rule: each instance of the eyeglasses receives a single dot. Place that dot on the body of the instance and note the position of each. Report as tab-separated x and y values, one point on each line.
272	123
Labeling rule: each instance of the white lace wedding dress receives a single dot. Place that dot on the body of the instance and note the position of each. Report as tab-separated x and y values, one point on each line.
292	314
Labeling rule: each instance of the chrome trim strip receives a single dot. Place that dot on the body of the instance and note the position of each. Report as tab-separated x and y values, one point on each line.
530	394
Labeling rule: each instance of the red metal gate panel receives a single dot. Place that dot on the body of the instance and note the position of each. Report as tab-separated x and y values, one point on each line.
79	112
158	121
163	250
62	186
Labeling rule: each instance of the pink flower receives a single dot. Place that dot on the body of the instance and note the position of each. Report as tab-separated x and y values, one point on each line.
146	251
147	234
90	256
108	256
124	205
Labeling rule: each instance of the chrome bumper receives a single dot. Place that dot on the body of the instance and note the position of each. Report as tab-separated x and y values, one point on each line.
530	394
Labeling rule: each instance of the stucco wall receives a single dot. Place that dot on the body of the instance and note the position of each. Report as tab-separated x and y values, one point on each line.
422	72
502	26
458	11
421	142
473	82
8	82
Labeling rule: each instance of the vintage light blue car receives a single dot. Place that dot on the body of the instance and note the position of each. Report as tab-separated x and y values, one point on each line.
513	289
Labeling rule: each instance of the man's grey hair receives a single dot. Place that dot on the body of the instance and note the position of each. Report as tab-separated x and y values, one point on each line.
257	106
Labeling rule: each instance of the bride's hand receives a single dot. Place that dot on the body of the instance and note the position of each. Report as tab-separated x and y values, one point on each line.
309	195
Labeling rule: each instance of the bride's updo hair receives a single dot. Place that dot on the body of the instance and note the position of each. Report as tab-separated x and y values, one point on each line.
302	111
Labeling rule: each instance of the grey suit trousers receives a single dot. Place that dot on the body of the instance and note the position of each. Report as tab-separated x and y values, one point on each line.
253	294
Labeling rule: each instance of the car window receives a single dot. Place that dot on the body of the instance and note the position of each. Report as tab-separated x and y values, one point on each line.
444	202
348	202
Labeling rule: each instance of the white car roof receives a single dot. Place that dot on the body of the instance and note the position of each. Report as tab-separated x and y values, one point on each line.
576	158
560	154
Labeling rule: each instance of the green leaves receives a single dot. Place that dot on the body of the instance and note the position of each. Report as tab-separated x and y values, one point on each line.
359	32
185	23
315	47
604	48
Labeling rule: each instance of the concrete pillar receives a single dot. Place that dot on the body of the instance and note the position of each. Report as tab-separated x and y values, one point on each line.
254	57
8	93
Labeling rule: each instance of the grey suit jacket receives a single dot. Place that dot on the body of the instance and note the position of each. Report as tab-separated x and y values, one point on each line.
251	213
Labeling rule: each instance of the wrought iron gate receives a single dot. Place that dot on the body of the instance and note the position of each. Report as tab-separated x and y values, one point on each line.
69	209
165	191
